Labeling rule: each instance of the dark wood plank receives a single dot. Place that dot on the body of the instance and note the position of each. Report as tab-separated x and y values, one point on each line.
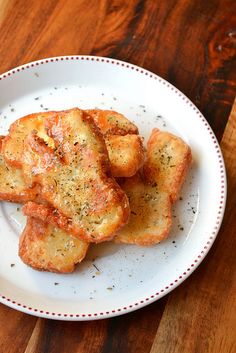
200	315
132	333
31	30
3	8
58	336
15	330
192	44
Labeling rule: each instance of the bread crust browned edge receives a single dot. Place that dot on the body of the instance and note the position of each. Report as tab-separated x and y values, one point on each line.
114	130
16	163
187	162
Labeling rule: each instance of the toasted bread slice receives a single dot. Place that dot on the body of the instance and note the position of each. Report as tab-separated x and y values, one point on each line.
12	184
168	160
150	219
112	123
12	145
48	248
75	175
126	154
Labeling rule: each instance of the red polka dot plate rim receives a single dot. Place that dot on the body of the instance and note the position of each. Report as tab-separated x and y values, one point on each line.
113	279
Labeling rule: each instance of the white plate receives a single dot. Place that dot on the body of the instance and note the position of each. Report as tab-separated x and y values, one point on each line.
114	279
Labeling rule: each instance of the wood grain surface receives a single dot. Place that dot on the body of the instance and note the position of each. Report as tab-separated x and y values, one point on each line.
191	43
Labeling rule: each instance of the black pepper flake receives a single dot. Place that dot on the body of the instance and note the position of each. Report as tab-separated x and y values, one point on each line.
173	241
12	265
36	98
56	283
109	288
96	267
18	209
12	109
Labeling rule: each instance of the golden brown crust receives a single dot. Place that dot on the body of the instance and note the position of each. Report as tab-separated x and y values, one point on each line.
112	123
124	146
109	122
12	145
150	219
48	214
126	154
12	184
168	160
47	248
75	175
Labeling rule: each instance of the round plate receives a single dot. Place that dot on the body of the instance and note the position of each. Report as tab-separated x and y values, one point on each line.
113	279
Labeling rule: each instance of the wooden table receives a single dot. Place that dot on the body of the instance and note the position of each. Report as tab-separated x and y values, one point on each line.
191	43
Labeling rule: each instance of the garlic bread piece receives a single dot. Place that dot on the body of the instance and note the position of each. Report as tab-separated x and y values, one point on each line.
75	175
126	154
112	123
48	248
168	160
12	146
150	218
